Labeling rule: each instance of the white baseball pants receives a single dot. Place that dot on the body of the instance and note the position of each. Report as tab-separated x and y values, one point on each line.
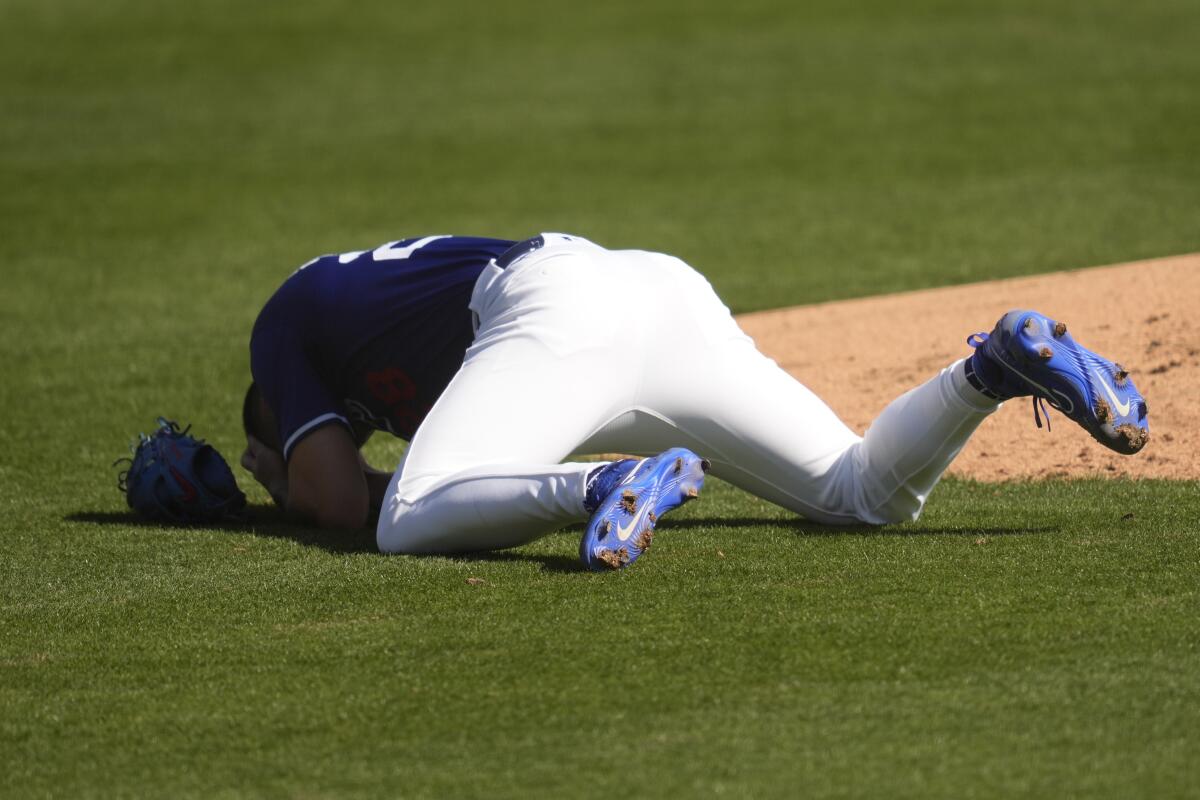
580	349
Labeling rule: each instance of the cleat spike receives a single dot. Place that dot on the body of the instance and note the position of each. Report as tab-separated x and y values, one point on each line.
1045	353
692	491
628	501
611	559
678	465
1060	328
1133	437
705	465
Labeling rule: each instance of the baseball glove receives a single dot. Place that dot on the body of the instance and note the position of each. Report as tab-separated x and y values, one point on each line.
174	477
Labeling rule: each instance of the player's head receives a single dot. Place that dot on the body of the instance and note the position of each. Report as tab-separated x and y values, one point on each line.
258	420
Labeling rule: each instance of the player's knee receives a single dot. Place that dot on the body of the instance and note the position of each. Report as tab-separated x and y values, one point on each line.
400	533
877	504
873	497
894	516
901	506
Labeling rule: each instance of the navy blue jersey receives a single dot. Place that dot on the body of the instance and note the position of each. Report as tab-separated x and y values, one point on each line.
370	337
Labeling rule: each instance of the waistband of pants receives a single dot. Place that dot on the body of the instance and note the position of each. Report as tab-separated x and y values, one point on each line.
535	243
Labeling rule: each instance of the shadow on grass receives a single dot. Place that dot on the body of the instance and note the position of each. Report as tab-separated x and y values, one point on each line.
260	520
268	521
804	527
549	563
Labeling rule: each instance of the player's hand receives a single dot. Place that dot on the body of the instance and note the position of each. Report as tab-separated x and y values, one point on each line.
268	468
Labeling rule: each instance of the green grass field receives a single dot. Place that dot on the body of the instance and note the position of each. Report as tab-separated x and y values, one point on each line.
164	167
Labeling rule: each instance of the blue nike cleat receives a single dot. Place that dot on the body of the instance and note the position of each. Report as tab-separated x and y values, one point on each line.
622	525
1031	354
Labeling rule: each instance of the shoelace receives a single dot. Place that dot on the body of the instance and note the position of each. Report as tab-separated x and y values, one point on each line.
1039	400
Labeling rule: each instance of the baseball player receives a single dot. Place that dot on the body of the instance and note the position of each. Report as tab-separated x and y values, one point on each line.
498	360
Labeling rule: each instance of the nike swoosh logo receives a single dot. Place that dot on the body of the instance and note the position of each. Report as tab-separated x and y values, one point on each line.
624	532
1049	394
1122	408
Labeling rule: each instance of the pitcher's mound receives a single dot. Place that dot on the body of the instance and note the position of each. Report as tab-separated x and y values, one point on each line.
859	354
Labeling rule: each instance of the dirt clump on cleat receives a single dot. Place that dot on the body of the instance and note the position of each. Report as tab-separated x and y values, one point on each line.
1102	411
1132	437
1059	329
644	539
613	559
628	502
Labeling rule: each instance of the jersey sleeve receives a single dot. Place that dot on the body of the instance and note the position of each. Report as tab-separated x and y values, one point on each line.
302	403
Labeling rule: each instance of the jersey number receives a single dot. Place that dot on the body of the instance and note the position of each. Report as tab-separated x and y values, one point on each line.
390	251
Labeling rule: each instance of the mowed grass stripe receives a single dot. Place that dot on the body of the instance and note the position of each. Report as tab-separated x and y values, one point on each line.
748	651
794	154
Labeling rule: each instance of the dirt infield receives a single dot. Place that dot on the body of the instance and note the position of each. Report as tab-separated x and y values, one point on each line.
859	354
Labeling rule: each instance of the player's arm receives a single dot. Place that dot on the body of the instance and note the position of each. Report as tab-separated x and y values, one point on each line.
269	469
326	481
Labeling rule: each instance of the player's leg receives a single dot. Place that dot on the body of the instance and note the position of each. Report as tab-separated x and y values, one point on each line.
713	392
766	433
887	476
785	444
